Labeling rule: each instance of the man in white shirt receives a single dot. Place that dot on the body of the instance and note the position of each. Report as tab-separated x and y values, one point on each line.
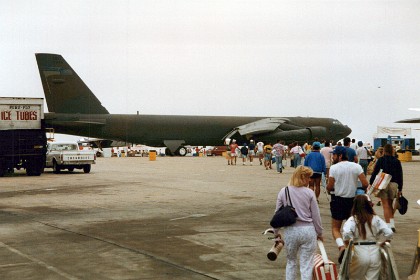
353	144
363	155
342	184
260	151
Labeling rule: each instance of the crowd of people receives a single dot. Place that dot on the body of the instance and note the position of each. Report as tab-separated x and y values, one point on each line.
345	167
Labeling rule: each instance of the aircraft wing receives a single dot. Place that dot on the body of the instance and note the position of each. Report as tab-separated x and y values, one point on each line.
258	127
261	126
409	121
102	143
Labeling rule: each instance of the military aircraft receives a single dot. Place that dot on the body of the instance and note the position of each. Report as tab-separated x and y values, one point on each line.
416	120
75	110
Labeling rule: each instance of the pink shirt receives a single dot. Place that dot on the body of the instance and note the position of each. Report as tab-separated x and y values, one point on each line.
326	152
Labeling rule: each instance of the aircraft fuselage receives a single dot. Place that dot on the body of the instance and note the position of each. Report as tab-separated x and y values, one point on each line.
154	130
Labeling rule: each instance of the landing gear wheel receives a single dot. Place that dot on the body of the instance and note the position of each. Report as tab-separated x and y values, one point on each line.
182	151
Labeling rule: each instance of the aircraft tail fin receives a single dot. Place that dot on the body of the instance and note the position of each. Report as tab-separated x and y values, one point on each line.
64	91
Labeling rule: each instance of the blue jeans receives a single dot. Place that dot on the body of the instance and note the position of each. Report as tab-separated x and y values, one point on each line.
364	163
297	160
279	163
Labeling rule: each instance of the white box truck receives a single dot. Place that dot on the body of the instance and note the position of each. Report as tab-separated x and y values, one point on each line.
23	140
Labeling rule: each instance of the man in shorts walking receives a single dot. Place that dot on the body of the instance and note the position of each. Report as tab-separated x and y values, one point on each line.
342	185
251	151
260	151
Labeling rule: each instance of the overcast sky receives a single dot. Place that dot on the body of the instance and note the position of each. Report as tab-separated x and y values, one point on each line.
357	61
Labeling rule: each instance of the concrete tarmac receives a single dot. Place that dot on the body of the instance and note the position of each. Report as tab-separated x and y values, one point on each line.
173	218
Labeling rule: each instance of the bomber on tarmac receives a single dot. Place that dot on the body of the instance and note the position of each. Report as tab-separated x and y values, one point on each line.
74	109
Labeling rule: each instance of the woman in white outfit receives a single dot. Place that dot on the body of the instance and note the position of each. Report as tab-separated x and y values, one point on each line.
366	229
301	236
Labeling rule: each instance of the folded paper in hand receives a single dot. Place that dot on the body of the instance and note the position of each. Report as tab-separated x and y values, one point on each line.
381	181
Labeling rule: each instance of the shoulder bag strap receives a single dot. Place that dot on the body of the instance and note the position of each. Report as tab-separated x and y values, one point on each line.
288	195
368	152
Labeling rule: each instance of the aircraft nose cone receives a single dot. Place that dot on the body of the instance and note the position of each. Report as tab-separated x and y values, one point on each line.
342	131
347	130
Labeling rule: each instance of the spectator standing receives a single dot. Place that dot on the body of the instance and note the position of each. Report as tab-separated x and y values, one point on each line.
267	156
251	151
315	160
296	151
351	153
342	185
307	148
326	152
366	229
301	236
353	144
390	165
233	154
278	150
228	154
363	156
291	155
260	151
244	152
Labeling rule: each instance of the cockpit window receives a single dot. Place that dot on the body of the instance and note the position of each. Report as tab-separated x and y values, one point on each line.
337	122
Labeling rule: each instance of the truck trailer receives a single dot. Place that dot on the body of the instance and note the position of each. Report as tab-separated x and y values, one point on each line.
401	144
23	140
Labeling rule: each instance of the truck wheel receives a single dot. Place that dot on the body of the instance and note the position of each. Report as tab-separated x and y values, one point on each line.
30	170
1	168
71	169
34	168
56	168
86	168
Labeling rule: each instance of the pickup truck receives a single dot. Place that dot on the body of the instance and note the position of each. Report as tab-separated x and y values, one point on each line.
66	155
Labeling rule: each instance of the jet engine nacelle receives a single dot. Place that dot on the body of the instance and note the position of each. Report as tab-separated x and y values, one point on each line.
303	134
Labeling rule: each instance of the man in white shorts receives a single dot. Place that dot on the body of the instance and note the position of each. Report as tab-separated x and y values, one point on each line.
260	151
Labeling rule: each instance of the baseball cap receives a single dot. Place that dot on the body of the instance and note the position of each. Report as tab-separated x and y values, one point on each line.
339	150
316	145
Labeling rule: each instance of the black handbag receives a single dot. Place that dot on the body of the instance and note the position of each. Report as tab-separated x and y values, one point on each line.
285	215
403	205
